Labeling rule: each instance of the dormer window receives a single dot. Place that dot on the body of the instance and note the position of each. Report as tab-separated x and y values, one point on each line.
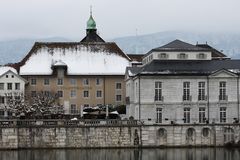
201	56
162	56
182	56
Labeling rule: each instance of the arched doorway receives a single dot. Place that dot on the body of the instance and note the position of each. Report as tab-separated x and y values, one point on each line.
228	135
190	136
161	136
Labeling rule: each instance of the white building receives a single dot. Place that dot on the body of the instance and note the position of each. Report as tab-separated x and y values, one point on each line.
183	83
10	82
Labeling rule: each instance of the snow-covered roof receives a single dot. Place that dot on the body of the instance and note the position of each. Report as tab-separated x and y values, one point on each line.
4	69
80	59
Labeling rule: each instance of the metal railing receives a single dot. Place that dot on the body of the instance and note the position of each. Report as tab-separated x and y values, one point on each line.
54	122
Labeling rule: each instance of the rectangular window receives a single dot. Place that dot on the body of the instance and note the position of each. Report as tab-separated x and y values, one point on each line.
202	117
99	94
73	82
86	105
223	114
33	93
73	93
98	81
85	94
186	91
33	81
85	82
222	91
201	91
159	115
118	86
60	94
9	86
46	81
2	99
158	91
59	81
17	86
186	115
118	98
47	93
1	86
74	109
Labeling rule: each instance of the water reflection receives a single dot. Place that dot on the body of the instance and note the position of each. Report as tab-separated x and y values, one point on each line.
124	154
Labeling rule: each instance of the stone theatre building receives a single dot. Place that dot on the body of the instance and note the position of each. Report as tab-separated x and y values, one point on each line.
182	83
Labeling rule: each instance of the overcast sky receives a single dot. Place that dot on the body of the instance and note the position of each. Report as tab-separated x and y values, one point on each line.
115	18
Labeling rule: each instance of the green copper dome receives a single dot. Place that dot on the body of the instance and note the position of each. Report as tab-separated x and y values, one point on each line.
91	24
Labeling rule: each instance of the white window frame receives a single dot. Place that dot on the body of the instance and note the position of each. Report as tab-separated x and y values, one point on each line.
158	115
201	91
222	90
187	115
158	91
117	98
87	92
202	114
97	94
223	114
73	82
86	82
73	93
46	80
186	91
60	81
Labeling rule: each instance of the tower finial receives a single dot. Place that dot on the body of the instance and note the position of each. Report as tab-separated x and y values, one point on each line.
91	10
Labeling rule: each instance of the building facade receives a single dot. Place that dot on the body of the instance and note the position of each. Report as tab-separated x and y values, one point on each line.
10	83
86	73
182	83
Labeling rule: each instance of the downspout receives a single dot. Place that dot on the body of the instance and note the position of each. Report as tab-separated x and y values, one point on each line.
208	99
139	97
104	94
238	98
139	106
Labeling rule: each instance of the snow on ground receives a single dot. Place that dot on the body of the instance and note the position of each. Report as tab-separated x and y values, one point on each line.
79	62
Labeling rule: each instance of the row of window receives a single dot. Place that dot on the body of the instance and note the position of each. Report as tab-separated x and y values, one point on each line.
179	56
10	86
85	81
187	115
73	94
186	91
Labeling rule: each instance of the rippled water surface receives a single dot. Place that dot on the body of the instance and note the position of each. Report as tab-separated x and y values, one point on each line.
123	154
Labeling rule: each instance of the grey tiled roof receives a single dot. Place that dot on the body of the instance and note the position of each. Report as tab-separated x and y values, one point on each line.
189	67
180	46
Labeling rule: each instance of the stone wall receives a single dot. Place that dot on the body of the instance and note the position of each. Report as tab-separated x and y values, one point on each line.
118	136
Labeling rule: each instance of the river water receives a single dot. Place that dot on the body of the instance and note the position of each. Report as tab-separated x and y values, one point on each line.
123	154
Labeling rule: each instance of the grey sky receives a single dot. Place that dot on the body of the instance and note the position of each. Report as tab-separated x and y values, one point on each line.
115	18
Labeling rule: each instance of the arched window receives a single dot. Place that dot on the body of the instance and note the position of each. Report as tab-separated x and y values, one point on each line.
190	132
162	132
205	132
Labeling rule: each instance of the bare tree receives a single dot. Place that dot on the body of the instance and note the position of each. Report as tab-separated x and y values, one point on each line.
16	104
36	106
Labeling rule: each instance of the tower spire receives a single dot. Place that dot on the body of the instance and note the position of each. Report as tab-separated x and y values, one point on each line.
90	10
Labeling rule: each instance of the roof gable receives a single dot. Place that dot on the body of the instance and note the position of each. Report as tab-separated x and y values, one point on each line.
15	75
179	46
223	73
